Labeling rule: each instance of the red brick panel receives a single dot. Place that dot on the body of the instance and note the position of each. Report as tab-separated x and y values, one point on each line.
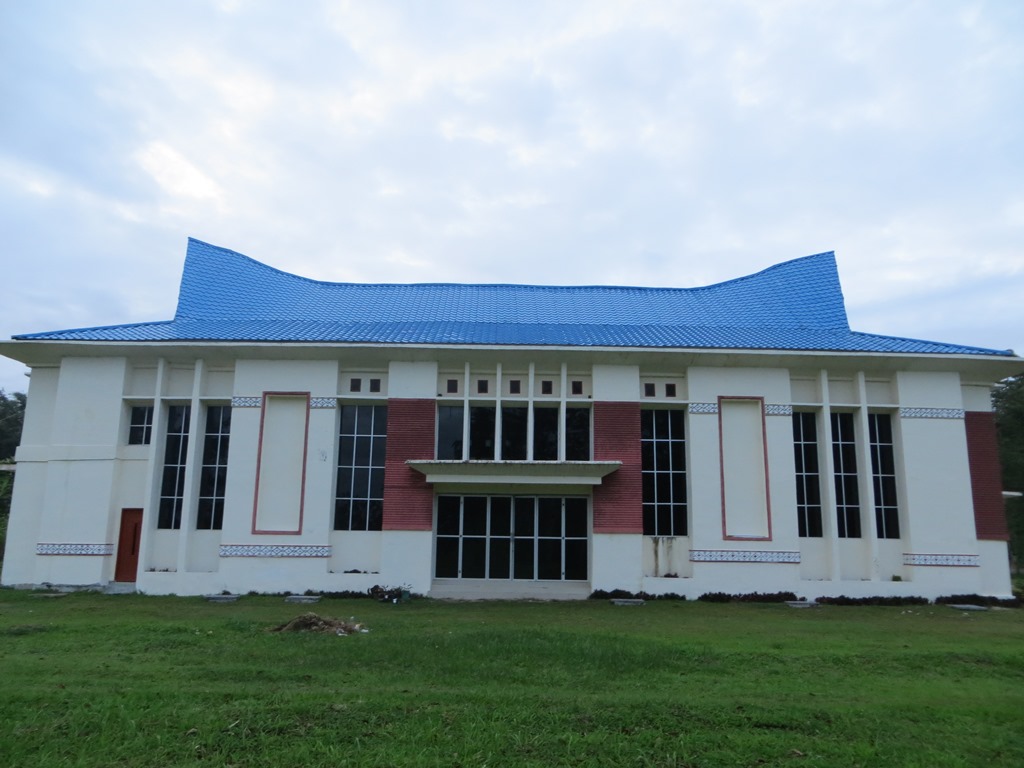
408	500
618	501
986	476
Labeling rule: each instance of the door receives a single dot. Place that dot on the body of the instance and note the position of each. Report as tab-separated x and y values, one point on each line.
127	564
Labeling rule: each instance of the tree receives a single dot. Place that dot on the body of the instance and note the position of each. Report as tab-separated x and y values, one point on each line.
12	416
1008	402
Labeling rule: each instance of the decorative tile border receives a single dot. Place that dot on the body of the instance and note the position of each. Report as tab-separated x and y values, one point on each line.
274	550
703	407
961	561
743	556
931	413
75	549
257	402
778	410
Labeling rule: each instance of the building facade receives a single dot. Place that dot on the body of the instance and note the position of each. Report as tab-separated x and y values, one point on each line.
282	434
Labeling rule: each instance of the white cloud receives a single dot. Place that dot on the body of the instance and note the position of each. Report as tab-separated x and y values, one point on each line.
666	143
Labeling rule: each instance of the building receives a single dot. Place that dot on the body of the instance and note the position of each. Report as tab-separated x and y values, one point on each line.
282	434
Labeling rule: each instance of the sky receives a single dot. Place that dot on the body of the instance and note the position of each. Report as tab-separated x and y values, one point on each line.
677	143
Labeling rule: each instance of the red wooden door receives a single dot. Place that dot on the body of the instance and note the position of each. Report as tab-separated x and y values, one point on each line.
127	564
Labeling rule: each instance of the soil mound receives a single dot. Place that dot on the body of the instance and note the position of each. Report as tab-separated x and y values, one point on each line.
311	622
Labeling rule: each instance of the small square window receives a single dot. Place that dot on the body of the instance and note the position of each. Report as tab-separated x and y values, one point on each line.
481	386
577	387
140	427
355	385
453	386
670	390
515	386
649	390
375	385
547	387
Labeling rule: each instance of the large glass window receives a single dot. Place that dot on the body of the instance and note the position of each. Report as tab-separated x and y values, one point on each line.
513	420
808	480
511	537
172	484
214	473
481	432
545	433
449	432
513	432
883	473
663	466
362	444
844	462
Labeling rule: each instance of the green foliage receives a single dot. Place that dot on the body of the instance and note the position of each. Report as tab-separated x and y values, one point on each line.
93	680
12	416
1008	402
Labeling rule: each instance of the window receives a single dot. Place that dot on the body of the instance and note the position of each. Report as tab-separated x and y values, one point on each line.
513	432
172	484
808	482
511	537
547	387
375	385
649	390
213	476
481	386
844	460
670	390
576	387
483	423
883	475
577	434
481	432
545	433
663	470
140	425
359	498
355	385
515	387
452	386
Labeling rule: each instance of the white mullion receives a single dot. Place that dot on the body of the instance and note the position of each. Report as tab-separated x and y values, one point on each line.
529	412
465	420
497	414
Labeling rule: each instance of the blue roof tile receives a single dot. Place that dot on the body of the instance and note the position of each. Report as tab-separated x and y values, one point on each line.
226	296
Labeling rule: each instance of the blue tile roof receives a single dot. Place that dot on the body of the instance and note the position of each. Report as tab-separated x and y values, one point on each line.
226	296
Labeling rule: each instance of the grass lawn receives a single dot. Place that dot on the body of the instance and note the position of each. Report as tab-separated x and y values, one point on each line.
94	680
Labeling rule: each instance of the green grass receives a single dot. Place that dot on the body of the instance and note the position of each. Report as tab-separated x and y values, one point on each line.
92	680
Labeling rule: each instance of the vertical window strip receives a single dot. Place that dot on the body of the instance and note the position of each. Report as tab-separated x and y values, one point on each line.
172	486
844	458
362	446
663	472
883	475
213	475
808	481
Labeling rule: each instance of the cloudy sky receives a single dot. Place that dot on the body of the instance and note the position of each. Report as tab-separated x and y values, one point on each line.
672	143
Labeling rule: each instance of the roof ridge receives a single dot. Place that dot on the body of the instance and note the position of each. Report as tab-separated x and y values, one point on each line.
528	286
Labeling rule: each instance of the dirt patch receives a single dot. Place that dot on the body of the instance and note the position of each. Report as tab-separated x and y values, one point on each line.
311	622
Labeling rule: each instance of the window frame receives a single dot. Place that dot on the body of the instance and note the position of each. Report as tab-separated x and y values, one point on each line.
352	476
671	517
